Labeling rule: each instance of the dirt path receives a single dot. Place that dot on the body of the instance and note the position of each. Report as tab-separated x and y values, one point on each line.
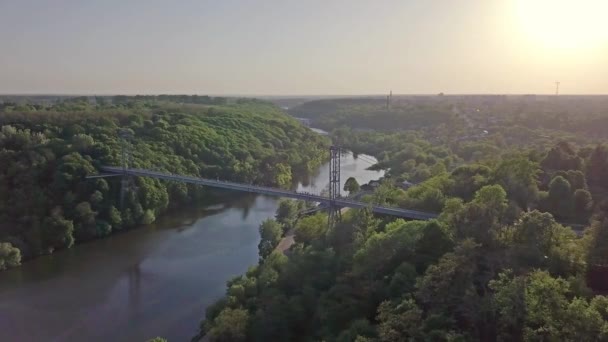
286	242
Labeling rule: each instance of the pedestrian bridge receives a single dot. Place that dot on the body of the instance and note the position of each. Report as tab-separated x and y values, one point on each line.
339	202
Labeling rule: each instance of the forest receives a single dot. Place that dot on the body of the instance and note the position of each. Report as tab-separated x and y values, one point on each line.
518	253
47	150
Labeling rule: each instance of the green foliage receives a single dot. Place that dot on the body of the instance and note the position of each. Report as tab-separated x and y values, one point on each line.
446	284
597	166
518	177
369	114
468	179
46	203
148	217
9	256
560	196
400	323
480	219
562	157
229	325
436	240
311	229
436	280
270	234
551	316
537	241
583	202
287	213
509	305
58	232
596	239
496	265
351	185
384	251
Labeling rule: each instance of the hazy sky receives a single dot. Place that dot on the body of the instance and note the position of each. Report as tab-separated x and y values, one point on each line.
287	47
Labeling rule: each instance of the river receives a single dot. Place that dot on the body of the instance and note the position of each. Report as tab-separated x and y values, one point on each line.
151	281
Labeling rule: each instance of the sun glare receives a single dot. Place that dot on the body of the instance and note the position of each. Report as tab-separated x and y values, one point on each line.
564	24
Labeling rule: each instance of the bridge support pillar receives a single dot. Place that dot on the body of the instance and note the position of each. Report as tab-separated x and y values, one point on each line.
334	211
126	155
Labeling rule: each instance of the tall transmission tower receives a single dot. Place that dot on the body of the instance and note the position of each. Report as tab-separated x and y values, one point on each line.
557	88
389	100
334	214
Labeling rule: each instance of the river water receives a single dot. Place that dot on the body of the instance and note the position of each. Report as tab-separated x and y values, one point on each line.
151	281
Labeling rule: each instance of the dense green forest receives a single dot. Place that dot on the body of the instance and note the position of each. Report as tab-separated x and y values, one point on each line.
519	252
568	114
46	151
369	113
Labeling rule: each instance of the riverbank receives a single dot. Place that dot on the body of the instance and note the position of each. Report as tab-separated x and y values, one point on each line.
152	281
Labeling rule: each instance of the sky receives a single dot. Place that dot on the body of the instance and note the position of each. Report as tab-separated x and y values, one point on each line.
311	47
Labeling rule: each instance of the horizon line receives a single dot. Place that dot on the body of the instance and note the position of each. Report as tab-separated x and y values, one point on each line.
303	95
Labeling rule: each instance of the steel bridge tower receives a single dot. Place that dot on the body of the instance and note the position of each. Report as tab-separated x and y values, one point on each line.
126	181
334	212
126	159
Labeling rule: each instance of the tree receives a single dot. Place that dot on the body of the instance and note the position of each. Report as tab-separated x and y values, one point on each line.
582	203
468	179
560	197
518	177
270	234
402	322
403	280
363	225
229	325
85	221
82	142
46	156
577	179
57	231
508	303
287	213
359	331
383	251
447	285
562	157
596	238
148	217
9	256
550	316
540	242
537	307
351	185
283	174
114	218
598	163
311	229
480	219
436	240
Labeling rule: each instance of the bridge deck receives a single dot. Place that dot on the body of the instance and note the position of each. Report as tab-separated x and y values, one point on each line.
406	213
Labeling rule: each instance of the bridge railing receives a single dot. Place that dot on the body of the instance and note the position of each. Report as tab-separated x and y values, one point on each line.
272	191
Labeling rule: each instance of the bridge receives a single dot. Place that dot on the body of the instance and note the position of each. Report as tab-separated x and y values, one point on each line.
329	202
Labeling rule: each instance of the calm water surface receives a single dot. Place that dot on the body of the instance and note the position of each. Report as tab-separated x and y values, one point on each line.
147	282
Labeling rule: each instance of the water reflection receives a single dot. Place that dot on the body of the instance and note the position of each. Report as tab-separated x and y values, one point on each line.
134	276
156	280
